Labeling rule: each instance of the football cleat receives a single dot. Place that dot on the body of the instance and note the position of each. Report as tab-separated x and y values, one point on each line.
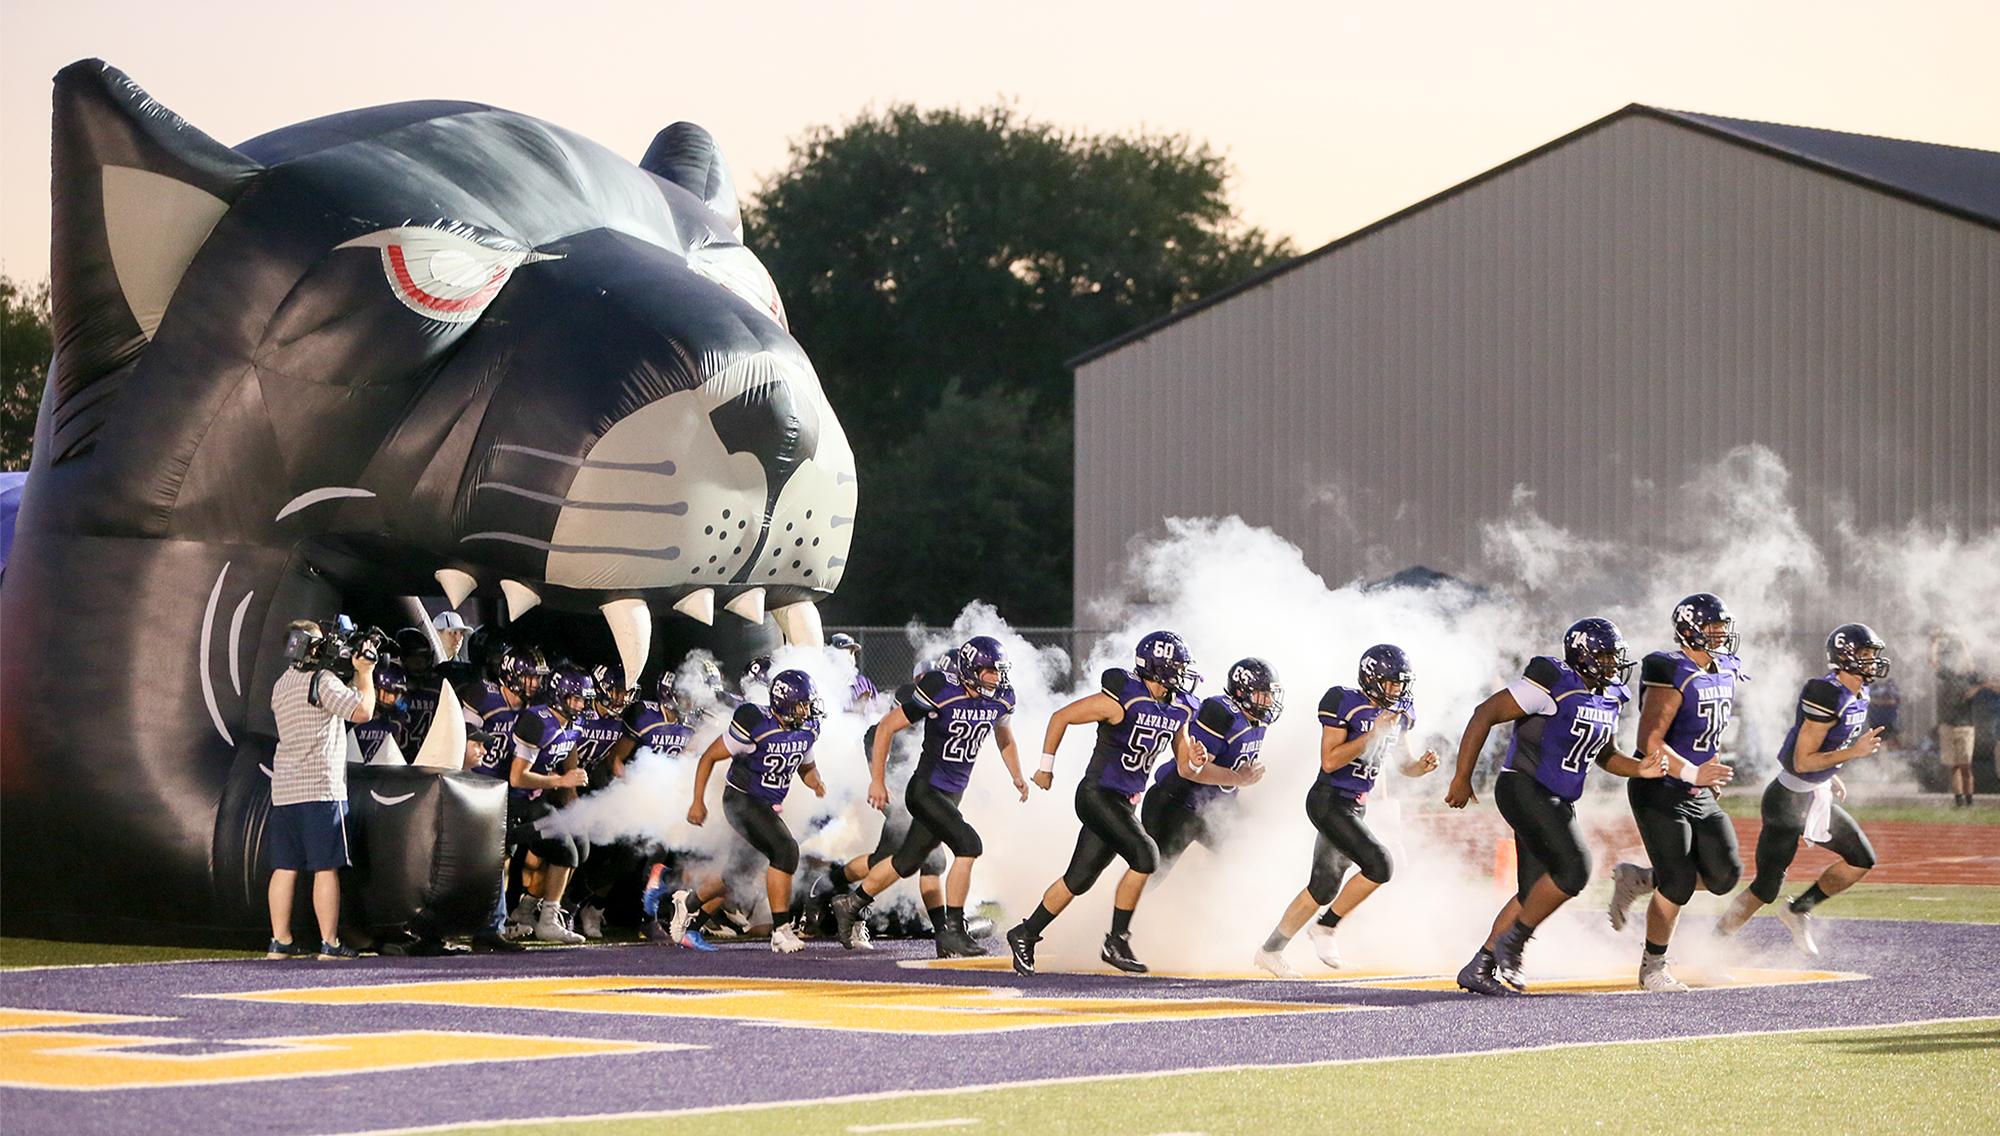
550	926
654	931
1118	952
491	940
1800	925
1628	883
694	941
979	927
953	942
1477	977
1507	962
649	899
1021	945
1323	946
1655	978
785	940
521	920
1275	963
590	921
847	919
682	917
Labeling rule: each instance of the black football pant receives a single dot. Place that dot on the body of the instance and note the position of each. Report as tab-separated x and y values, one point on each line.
1784	816
1110	828
1547	839
1688	837
934	820
762	829
1343	839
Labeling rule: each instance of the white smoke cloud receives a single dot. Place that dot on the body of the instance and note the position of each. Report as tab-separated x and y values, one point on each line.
1233	590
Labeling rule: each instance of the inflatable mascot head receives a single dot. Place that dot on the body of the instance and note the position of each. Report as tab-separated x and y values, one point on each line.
419	349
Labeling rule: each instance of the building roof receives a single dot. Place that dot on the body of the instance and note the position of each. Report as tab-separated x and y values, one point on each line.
1951	179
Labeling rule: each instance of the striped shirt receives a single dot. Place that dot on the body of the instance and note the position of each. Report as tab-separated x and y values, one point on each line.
311	762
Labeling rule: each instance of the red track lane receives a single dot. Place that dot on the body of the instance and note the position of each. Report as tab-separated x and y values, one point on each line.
1906	852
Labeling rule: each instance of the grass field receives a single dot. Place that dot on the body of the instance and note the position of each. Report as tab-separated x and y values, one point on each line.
1748	803
1939	1078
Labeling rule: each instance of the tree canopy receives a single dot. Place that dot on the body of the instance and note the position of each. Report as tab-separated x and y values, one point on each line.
940	266
25	346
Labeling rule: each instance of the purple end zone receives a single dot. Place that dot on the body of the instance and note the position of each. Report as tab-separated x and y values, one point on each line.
1917	972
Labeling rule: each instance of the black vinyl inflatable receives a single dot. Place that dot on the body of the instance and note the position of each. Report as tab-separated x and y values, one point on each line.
419	348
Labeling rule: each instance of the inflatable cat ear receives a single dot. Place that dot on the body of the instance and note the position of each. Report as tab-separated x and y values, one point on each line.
140	190
687	155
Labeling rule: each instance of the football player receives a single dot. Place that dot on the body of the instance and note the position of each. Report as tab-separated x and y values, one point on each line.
1361	727
1686	697
959	711
1140	714
1829	729
542	762
391	720
599	753
1567	710
765	748
420	663
1179	812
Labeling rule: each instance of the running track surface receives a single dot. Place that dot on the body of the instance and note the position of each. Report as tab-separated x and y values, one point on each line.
1916	971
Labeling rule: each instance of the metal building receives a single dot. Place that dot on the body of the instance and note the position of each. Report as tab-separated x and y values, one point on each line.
1649	290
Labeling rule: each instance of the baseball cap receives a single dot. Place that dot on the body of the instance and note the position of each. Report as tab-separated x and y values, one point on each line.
449	621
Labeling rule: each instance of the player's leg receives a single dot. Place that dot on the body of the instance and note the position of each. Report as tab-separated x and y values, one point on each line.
1783	814
1669	839
1322	887
1092	855
1546	832
1117	822
761	826
1857	857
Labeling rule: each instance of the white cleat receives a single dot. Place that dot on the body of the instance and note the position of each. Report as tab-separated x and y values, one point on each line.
1800	925
520	921
1322	941
1655	978
1628	883
590	922
682	918
785	940
1275	963
550	928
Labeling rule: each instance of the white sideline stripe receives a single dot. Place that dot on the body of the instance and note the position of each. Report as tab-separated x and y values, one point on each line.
1150	1074
914	1125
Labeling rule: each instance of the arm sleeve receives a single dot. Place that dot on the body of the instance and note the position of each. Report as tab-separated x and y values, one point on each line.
1658	670
1532	696
336	697
1820	700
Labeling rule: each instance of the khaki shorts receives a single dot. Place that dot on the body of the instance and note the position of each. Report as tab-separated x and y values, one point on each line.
1955	744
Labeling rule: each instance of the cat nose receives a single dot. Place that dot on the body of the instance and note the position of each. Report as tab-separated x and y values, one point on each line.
771	423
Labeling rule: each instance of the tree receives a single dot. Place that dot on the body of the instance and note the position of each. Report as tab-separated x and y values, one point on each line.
25	346
921	252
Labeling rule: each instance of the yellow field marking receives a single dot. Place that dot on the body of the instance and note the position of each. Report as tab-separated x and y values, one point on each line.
996	964
93	1062
14	1018
1745	976
881	1007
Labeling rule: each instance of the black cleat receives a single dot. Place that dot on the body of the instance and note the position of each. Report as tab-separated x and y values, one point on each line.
1021	944
847	908
953	942
1477	977
1118	952
490	940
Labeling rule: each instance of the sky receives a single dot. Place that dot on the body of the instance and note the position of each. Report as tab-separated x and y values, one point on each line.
1333	115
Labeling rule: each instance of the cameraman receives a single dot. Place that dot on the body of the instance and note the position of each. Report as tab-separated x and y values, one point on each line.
308	824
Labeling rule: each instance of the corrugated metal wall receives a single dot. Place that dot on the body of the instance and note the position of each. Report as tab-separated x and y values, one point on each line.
1571	326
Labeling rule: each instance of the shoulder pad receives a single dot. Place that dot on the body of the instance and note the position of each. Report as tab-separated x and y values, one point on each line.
531	727
1543	672
1660	669
1114	682
933	685
1823	695
747	719
1218	716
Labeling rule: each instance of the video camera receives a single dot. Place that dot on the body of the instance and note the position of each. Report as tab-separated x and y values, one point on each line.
336	646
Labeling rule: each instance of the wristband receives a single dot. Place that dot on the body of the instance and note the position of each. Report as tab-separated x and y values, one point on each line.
1048	763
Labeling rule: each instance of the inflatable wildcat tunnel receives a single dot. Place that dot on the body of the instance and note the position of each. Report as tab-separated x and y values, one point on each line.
431	349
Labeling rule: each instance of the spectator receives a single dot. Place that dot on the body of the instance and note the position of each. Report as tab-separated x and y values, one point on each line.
1956	685
1885	709
453	663
308	823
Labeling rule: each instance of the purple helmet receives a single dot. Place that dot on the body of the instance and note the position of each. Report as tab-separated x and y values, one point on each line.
980	653
1249	678
392	682
523	670
794	701
567	683
1694	615
1844	647
1163	657
612	689
943	664
1381	665
665	688
757	670
1595	650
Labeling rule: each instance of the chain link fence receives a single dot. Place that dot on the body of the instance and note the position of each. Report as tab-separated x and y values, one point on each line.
889	654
